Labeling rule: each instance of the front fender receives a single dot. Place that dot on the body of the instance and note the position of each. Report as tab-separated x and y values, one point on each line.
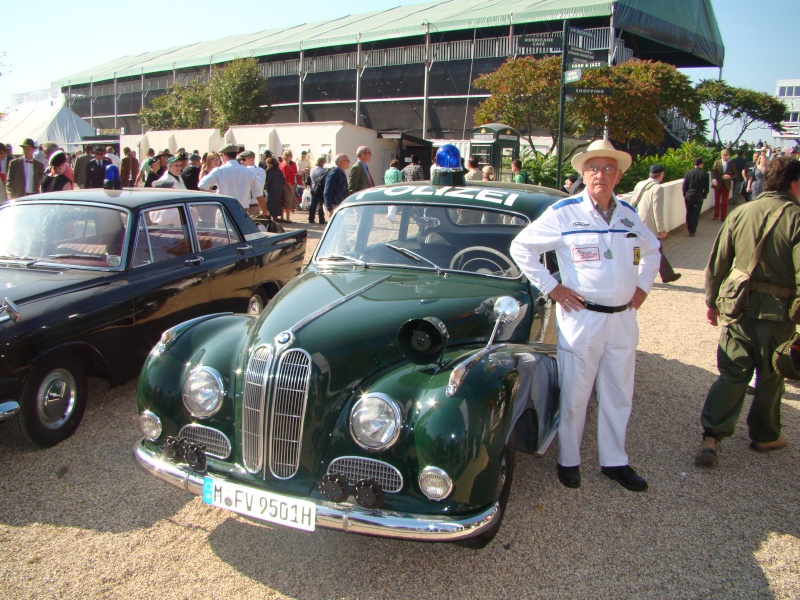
215	341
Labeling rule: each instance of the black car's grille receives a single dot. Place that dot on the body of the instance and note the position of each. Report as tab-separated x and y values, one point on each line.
356	468
274	404
216	442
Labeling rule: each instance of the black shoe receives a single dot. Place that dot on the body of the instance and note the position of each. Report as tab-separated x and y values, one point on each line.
312	222
674	277
626	477
569	476
323	222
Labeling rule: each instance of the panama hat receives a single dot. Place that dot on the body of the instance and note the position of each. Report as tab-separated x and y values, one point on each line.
602	148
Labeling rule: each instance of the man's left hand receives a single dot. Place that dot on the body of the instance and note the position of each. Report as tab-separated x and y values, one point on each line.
638	299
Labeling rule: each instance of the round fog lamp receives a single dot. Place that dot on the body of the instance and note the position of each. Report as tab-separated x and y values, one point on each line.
202	392
150	425
375	422
435	483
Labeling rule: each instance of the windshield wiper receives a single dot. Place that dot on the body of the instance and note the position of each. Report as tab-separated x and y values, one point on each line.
342	258
89	256
414	256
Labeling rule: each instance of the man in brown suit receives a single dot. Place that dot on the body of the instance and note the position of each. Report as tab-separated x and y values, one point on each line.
129	168
722	175
24	174
80	165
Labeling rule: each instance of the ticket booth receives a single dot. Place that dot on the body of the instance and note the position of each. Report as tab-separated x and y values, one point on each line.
497	145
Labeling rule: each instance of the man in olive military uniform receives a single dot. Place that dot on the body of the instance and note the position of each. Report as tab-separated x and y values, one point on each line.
749	336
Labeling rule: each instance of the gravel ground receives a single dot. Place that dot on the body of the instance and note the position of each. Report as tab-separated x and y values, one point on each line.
82	520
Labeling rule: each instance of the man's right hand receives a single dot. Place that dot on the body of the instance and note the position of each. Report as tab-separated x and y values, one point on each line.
567	298
712	316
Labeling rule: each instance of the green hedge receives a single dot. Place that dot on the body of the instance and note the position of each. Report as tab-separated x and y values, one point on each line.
676	161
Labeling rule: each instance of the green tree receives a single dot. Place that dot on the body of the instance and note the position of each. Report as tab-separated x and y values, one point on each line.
238	95
183	106
643	95
740	108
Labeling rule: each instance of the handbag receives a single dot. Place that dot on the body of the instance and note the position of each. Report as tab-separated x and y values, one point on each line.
734	292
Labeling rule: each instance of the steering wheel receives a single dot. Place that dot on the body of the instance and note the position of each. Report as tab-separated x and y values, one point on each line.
462	261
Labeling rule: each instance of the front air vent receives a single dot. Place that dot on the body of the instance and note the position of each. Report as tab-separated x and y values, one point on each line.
217	444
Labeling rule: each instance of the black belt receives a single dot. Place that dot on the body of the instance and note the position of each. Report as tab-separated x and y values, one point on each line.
604	309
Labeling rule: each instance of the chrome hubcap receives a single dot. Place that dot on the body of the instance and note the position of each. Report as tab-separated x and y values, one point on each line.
55	400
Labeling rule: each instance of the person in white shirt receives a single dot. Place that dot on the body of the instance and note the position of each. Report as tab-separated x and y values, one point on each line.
248	159
110	155
235	180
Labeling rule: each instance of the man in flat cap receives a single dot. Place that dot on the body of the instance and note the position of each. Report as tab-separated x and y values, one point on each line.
248	159
235	180
191	173
173	172
608	260
648	200
24	173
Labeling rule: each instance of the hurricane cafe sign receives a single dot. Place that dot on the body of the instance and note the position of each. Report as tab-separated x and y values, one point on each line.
489	136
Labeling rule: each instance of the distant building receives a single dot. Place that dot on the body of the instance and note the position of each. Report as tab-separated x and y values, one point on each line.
406	69
788	90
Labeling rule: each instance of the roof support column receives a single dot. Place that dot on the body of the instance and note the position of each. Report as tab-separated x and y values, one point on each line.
115	101
427	65
302	75
359	72
510	52
91	103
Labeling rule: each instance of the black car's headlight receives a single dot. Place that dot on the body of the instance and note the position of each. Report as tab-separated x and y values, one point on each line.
202	392
375	422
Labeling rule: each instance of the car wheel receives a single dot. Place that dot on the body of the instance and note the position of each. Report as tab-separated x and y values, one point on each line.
257	303
53	401
504	489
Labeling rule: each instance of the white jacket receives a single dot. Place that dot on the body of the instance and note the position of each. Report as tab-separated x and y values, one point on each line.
582	240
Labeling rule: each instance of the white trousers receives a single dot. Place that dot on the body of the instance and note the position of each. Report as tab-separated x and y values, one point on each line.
596	348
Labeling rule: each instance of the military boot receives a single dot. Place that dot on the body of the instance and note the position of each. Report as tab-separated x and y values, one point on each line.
708	453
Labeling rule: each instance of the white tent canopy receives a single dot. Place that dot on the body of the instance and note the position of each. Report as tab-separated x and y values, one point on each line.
44	124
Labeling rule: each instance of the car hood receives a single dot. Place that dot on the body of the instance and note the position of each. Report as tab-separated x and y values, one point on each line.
351	319
23	286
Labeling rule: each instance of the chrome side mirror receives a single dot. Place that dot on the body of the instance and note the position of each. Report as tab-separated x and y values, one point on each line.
11	310
505	309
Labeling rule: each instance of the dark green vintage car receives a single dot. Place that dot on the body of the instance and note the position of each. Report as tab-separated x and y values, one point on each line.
385	390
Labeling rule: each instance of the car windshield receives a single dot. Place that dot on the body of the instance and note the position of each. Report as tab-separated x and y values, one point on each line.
438	237
74	235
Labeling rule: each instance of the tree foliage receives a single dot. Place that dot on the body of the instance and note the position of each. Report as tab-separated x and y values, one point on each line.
237	92
233	96
183	106
740	108
525	95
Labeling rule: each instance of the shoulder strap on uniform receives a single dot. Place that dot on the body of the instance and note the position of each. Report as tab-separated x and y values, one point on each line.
638	198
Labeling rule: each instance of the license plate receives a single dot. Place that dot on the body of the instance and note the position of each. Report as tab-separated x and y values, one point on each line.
258	504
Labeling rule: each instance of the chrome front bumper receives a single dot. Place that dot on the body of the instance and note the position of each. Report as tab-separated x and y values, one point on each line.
351	519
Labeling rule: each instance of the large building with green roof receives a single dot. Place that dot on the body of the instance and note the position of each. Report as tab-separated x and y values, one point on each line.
406	69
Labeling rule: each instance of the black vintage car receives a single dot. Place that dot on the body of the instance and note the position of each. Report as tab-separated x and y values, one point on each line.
90	279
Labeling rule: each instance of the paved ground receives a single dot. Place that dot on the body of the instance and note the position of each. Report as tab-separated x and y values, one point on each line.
81	520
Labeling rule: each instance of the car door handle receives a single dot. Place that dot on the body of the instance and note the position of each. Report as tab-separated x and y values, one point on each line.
194	261
243	249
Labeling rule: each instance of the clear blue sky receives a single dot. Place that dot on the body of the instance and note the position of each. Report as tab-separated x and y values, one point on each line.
62	38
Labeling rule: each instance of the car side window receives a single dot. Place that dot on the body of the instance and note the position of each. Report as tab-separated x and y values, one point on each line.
162	234
213	225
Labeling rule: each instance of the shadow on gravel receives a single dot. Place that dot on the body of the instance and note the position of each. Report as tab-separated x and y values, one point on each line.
90	481
694	534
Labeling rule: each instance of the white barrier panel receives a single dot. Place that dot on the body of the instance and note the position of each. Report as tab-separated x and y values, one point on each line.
674	207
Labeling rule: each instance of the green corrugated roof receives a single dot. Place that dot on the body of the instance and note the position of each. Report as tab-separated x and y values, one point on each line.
688	26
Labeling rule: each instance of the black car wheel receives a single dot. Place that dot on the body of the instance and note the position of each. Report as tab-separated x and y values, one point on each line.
53	401
504	489
257	303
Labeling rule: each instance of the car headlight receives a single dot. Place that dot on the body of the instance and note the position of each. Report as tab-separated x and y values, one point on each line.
435	483
375	422
150	425
202	392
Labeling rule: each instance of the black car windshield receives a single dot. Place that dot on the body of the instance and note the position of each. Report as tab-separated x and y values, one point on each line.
439	237
73	235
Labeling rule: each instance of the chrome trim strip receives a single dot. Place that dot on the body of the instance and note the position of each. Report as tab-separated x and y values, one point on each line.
351	519
318	313
8	409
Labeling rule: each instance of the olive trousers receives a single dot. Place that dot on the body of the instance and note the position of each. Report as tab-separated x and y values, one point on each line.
743	347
